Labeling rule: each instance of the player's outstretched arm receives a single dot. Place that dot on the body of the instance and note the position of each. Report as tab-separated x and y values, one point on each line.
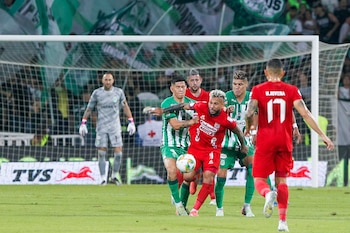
300	106
159	111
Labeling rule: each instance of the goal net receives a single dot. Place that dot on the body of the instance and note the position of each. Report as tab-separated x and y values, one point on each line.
46	82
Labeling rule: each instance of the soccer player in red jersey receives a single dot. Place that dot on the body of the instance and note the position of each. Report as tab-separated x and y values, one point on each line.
206	138
205	142
274	101
195	92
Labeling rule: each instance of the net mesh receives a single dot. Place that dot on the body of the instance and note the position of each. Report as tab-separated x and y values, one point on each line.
45	87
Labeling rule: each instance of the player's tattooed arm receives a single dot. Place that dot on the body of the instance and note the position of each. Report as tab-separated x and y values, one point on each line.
178	124
189	123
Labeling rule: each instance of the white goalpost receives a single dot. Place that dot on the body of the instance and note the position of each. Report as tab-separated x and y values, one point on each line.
139	64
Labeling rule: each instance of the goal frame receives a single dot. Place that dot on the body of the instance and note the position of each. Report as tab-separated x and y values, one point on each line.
314	39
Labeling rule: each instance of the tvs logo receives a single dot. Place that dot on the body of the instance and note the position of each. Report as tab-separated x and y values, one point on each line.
83	173
301	172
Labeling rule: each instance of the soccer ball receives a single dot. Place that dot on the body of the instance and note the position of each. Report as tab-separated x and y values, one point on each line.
186	163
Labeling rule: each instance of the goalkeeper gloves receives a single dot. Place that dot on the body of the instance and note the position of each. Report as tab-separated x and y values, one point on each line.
131	126
83	129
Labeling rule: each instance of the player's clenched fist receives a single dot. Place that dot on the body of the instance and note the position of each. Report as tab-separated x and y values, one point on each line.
83	129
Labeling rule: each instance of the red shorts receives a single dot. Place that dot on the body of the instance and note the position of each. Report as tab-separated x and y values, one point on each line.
267	162
207	160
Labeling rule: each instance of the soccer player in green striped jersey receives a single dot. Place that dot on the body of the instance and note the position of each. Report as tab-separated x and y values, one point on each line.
175	137
237	99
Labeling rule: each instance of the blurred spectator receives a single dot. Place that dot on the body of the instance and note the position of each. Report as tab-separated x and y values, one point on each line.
16	102
302	9
95	81
330	5
163	84
301	80
79	110
132	90
62	104
224	80
344	89
309	24
304	88
294	24
5	105
342	11
344	32
344	122
253	73
42	136
328	25
220	79
346	66
37	109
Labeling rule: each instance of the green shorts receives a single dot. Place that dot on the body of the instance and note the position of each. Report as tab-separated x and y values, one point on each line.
228	157
172	152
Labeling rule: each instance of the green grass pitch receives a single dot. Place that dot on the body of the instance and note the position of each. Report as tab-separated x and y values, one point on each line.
147	208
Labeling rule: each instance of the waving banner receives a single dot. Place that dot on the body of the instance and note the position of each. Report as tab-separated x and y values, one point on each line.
128	17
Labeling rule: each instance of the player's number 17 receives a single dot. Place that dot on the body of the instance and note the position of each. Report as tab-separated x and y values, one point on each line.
270	104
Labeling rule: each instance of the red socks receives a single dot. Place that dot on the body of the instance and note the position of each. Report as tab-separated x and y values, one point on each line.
262	187
202	195
282	200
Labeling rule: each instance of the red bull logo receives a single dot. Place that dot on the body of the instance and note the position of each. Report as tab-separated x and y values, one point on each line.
301	172
81	174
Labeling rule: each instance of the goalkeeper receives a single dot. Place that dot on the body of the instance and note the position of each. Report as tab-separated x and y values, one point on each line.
108	100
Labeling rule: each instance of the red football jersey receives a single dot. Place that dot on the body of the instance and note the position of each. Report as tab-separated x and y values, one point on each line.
275	110
208	133
203	96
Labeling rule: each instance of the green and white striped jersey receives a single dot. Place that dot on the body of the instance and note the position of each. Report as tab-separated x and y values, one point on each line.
172	137
231	140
